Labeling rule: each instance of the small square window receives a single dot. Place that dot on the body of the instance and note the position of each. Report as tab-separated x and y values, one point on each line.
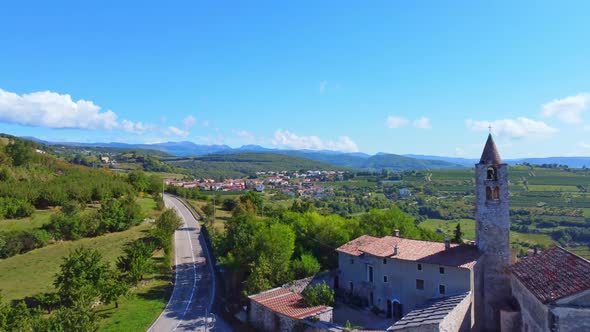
419	284
441	270
384	261
441	289
384	278
419	267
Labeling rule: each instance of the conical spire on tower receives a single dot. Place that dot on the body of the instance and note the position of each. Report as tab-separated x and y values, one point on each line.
490	153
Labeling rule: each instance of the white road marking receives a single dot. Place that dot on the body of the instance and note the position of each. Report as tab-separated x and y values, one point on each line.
193	291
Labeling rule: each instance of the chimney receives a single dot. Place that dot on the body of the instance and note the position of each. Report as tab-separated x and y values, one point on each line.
395	250
447	243
396	232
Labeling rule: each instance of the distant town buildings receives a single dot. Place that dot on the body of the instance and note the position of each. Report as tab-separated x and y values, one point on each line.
290	183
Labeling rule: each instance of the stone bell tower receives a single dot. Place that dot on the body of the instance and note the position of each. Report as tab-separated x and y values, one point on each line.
492	235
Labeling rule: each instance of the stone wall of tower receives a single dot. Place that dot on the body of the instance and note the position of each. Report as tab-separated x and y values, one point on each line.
493	239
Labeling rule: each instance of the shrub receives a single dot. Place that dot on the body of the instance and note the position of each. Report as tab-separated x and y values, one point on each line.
306	266
11	208
319	294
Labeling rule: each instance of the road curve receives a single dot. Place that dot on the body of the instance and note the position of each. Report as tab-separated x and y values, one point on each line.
194	286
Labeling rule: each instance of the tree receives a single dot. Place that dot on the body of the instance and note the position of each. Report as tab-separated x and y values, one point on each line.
253	197
155	184
20	152
79	316
458	235
318	294
82	276
114	288
138	180
165	226
277	243
229	204
209	210
305	266
137	261
244	207
259	279
4	312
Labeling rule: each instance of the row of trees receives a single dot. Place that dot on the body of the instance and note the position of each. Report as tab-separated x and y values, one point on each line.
73	222
114	215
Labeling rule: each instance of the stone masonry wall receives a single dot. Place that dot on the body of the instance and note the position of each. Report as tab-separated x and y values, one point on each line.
534	314
459	319
571	319
493	238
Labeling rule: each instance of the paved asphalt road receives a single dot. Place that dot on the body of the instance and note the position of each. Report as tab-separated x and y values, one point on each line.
194	288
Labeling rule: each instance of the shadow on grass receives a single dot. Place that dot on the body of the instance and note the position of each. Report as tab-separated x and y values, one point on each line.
161	292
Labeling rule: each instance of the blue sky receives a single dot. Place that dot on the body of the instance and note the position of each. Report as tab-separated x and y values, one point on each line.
424	77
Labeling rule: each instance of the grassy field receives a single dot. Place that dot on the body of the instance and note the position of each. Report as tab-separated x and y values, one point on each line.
221	216
549	187
448	226
148	206
468	228
38	267
35	221
138	310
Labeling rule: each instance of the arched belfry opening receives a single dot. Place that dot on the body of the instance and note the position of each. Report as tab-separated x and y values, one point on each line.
492	193
492	173
496	193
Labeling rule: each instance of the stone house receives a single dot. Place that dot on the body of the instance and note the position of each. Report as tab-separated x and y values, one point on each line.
282	308
552	289
397	275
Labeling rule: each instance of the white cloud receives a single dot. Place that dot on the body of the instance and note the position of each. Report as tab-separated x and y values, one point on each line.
396	121
459	152
135	127
53	110
205	123
171	130
323	86
422	123
516	128
568	109
189	122
583	145
288	139
246	135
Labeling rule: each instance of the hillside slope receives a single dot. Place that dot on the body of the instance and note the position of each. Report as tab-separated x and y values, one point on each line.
246	164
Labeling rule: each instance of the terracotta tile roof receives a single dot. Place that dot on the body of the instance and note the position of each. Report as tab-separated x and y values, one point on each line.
553	274
490	153
287	303
352	247
464	255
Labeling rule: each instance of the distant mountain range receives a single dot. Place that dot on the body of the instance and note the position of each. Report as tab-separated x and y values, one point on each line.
356	160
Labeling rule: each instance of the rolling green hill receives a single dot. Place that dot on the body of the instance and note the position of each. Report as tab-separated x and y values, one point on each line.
246	164
400	163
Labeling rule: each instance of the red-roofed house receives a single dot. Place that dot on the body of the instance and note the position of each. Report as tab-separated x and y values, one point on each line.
553	291
281	309
398	274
